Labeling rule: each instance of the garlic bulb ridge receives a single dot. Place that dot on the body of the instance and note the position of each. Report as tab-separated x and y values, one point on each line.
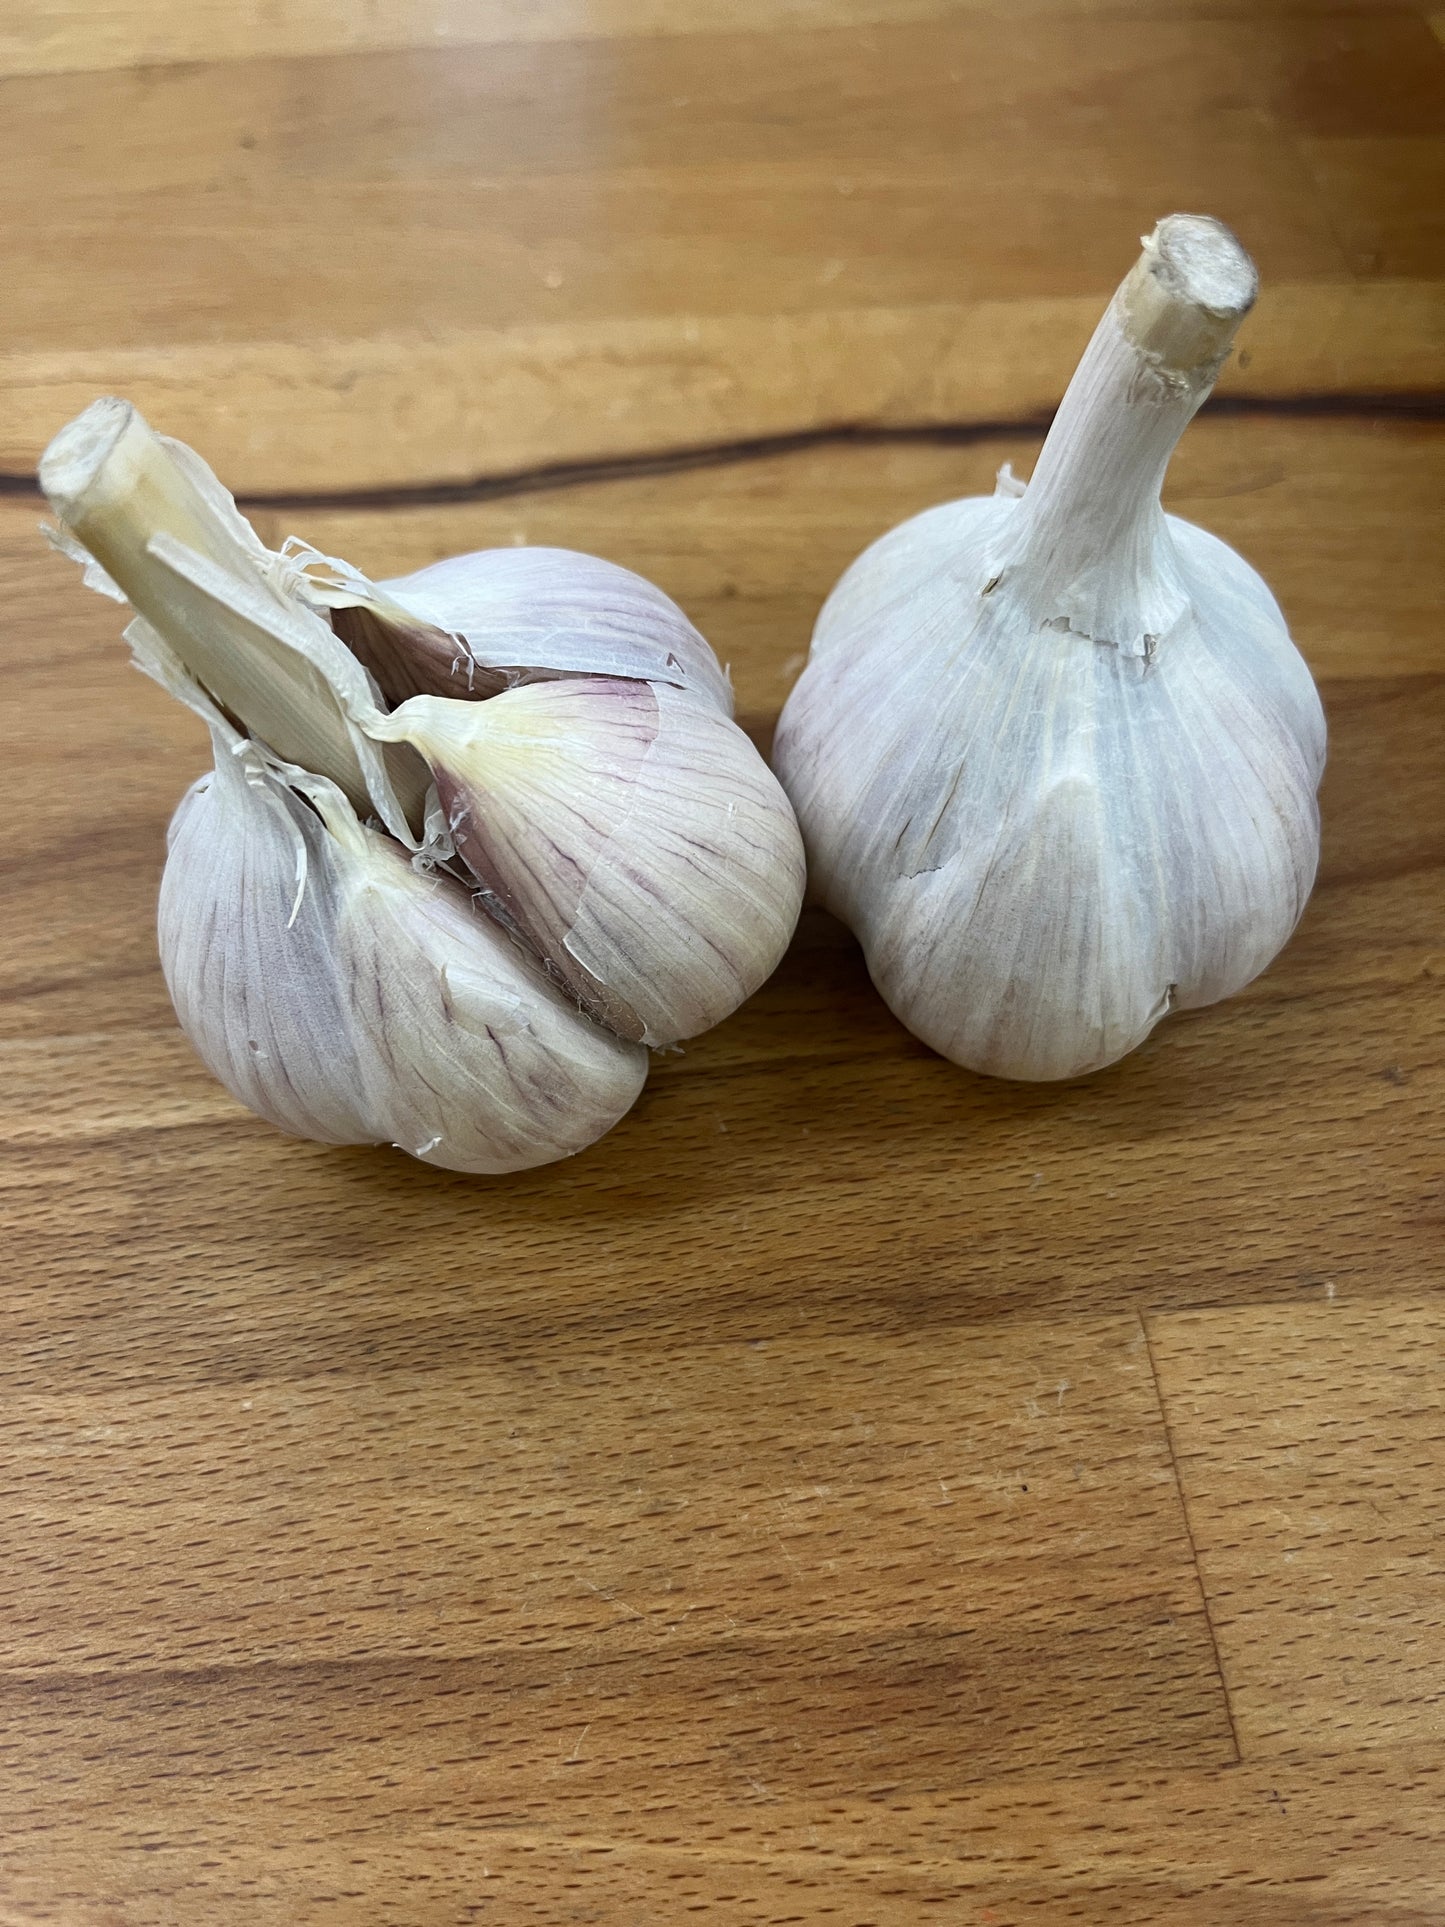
1054	753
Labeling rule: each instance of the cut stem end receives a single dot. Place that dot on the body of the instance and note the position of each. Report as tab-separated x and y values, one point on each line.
76	456
1187	294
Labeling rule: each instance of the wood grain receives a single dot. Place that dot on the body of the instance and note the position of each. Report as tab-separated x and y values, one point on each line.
404	410
852	1492
54	36
714	1548
1320	1541
381	267
1284	1843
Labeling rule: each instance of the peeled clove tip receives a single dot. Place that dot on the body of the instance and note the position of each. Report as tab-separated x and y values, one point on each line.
1188	293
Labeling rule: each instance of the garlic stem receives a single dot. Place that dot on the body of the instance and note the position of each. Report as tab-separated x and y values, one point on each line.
172	540
1089	533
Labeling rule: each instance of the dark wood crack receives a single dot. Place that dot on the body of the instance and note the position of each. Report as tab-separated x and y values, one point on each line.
548	477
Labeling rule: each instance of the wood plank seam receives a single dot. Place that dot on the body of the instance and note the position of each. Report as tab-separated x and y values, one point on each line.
1164	1421
1421	406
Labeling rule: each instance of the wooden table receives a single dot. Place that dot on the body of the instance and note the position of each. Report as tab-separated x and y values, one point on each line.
853	1492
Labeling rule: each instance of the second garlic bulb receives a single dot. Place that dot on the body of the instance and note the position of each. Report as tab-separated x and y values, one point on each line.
1054	753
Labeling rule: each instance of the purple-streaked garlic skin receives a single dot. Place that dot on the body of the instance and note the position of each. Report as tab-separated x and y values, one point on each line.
631	836
406	657
494	815
336	982
580	733
474	624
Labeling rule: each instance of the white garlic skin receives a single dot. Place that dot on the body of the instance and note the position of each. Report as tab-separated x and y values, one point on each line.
377	1007
632	836
1046	839
1042	844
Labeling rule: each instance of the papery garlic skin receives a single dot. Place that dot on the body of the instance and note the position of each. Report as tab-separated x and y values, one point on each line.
630	835
1055	757
474	624
165	536
345	997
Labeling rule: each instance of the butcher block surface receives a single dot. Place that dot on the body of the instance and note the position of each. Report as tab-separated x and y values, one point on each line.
854	1492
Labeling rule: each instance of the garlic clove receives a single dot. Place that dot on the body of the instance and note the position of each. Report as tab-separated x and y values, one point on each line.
348	998
634	839
407	657
475	624
1054	754
166	535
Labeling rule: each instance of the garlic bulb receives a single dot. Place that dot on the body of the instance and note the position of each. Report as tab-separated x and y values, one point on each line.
639	862
346	997
631	836
1054	754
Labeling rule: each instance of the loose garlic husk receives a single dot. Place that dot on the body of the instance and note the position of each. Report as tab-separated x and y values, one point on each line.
652	873
156	529
1054	754
347	997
